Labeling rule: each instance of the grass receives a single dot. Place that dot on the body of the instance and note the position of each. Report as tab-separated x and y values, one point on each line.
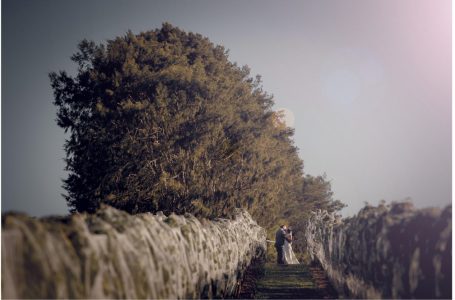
289	282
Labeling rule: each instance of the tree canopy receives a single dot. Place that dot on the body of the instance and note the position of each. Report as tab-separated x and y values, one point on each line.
162	120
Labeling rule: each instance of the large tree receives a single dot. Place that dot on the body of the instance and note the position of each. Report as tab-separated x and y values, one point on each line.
163	120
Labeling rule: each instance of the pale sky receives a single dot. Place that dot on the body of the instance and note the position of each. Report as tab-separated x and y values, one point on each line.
368	82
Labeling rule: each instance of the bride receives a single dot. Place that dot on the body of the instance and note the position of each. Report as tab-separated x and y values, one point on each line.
289	256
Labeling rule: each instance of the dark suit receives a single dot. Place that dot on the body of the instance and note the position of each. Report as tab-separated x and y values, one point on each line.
279	245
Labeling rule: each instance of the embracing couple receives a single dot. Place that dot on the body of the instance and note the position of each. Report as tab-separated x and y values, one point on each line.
283	245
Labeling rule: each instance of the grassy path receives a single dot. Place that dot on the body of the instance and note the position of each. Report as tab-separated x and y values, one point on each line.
293	282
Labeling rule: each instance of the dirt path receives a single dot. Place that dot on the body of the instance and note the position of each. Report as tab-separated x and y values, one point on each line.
293	282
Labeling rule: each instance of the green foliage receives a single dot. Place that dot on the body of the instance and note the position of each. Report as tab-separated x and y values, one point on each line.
164	121
317	194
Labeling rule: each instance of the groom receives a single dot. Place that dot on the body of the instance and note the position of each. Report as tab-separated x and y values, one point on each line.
279	244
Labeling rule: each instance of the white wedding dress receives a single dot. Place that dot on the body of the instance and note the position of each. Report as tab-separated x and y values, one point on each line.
289	256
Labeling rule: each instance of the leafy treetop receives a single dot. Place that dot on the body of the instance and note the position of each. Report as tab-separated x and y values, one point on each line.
162	120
